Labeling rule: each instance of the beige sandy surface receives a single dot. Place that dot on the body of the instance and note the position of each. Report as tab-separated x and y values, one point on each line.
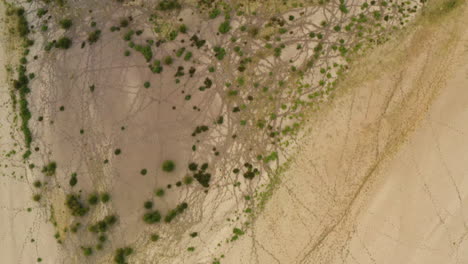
382	176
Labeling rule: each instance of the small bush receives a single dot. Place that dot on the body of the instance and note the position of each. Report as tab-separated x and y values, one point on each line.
224	27
121	254
152	217
66	23
159	192
63	43
49	169
168	166
169	5
93	199
148	205
154	237
94	36
105	197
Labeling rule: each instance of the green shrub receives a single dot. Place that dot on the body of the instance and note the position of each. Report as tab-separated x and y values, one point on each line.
121	254
75	205
36	197
145	51
49	169
224	27
152	217
105	197
94	36
93	199
87	251
168	5
154	237
159	192
73	180
37	184
168	166
63	43
66	23
148	205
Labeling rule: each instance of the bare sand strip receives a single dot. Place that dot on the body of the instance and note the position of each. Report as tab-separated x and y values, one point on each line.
382	176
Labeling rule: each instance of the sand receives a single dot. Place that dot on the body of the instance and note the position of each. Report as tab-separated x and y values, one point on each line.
381	177
378	178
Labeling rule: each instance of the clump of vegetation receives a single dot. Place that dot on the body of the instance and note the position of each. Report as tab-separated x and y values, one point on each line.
63	43
145	51
154	237
37	197
37	184
49	169
73	180
152	217
66	23
168	166
148	205
224	27
121	255
156	67
87	251
117	151
159	192
219	52
76	207
169	5
103	225
94	36
201	175
174	212
93	199
105	197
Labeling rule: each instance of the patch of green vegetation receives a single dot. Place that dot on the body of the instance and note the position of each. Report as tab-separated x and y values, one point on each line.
155	237
103	225
66	23
148	205
63	43
93	199
224	27
37	184
168	166
159	192
37	197
121	255
145	51
174	212
169	5
76	207
87	251
94	36
50	168
219	52
73	180
152	217
105	197
156	67
188	56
